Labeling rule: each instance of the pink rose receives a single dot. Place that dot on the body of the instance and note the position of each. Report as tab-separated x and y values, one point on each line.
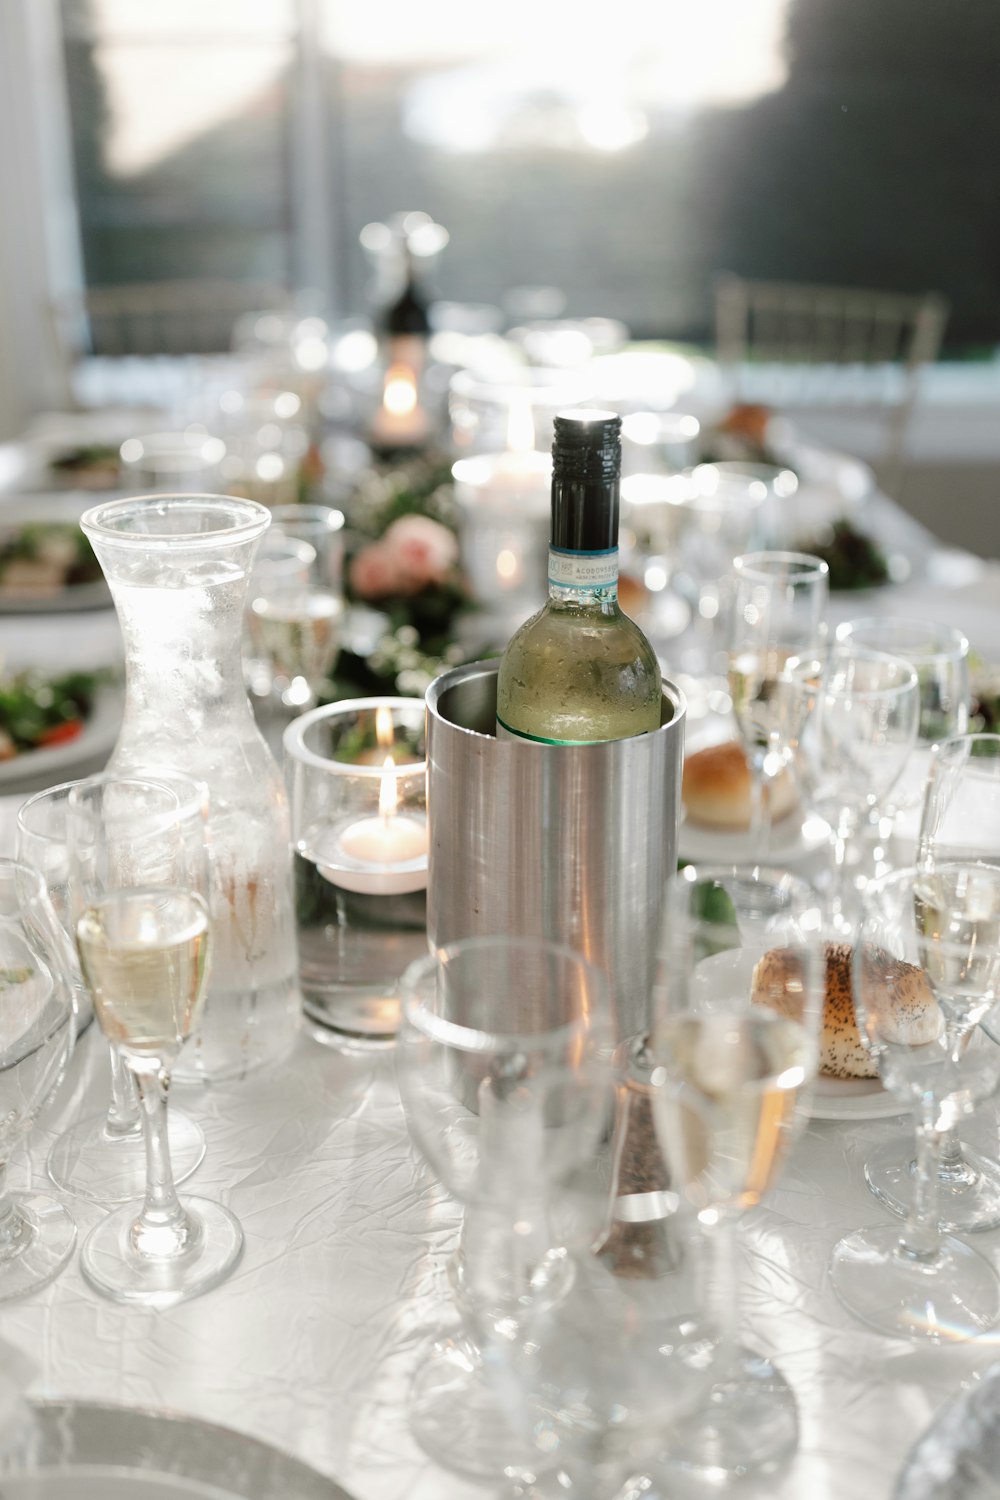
374	573
423	551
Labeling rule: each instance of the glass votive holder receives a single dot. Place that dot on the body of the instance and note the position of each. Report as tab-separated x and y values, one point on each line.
504	518
188	462
357	781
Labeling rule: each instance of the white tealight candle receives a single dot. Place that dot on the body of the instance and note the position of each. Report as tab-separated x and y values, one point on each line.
378	856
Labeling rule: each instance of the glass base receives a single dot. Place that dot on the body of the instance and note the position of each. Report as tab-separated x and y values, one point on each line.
968	1190
455	1415
354	1020
113	1266
749	1423
43	1236
90	1164
952	1298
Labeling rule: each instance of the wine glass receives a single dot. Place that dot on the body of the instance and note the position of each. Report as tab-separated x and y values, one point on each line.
139	884
37	1031
960	821
504	1070
939	655
736	1036
860	710
717	521
778	612
101	1157
295	615
926	970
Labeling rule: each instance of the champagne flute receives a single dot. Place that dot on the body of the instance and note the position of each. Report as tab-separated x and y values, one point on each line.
504	1071
37	1235
778	612
939	655
860	711
960	821
139	884
736	1031
101	1157
926	971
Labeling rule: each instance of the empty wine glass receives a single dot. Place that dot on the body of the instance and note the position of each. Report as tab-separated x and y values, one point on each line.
735	1036
960	821
778	612
504	1071
36	1037
861	710
939	655
139	885
926	971
716	521
101	1157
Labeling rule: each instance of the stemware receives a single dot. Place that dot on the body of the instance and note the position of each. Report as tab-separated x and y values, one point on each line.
860	711
778	613
101	1157
139	886
939	655
926	971
504	1071
960	821
716	523
36	1037
735	1036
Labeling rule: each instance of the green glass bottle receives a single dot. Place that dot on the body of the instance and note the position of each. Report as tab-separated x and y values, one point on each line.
580	671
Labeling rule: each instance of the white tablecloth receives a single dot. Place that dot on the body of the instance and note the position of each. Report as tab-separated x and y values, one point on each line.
311	1343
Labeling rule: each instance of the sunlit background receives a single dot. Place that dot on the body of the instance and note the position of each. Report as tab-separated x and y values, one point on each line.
625	156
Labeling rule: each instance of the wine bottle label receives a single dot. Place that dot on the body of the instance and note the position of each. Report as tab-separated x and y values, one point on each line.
590	572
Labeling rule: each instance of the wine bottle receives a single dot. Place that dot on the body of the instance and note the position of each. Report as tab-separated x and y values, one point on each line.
581	671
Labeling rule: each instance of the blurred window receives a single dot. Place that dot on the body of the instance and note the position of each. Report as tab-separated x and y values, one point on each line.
625	155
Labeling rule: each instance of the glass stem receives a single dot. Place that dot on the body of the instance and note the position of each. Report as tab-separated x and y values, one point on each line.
720	1295
760	809
10	1220
162	1227
123	1110
920	1238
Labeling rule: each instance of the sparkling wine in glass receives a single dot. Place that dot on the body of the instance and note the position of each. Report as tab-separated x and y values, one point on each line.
778	612
139	884
960	822
737	1016
101	1157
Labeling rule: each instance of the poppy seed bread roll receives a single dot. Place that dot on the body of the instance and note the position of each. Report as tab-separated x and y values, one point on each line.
716	788
914	1020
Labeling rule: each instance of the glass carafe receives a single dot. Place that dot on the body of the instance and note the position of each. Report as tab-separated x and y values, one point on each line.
177	566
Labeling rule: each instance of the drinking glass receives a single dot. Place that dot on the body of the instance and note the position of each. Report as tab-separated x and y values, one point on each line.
860	710
736	1031
939	655
504	1070
171	462
36	1037
716	522
960	821
778	613
926	971
101	1157
295	614
139	884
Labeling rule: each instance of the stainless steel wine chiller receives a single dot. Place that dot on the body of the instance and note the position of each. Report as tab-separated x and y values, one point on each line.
573	843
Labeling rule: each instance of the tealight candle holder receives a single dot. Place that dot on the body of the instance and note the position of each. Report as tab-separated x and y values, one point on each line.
357	779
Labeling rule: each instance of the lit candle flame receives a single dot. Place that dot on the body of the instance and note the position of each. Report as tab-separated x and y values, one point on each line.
384	732
520	426
400	392
387	798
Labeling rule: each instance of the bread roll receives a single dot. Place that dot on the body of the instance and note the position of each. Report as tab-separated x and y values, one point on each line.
716	788
914	1018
